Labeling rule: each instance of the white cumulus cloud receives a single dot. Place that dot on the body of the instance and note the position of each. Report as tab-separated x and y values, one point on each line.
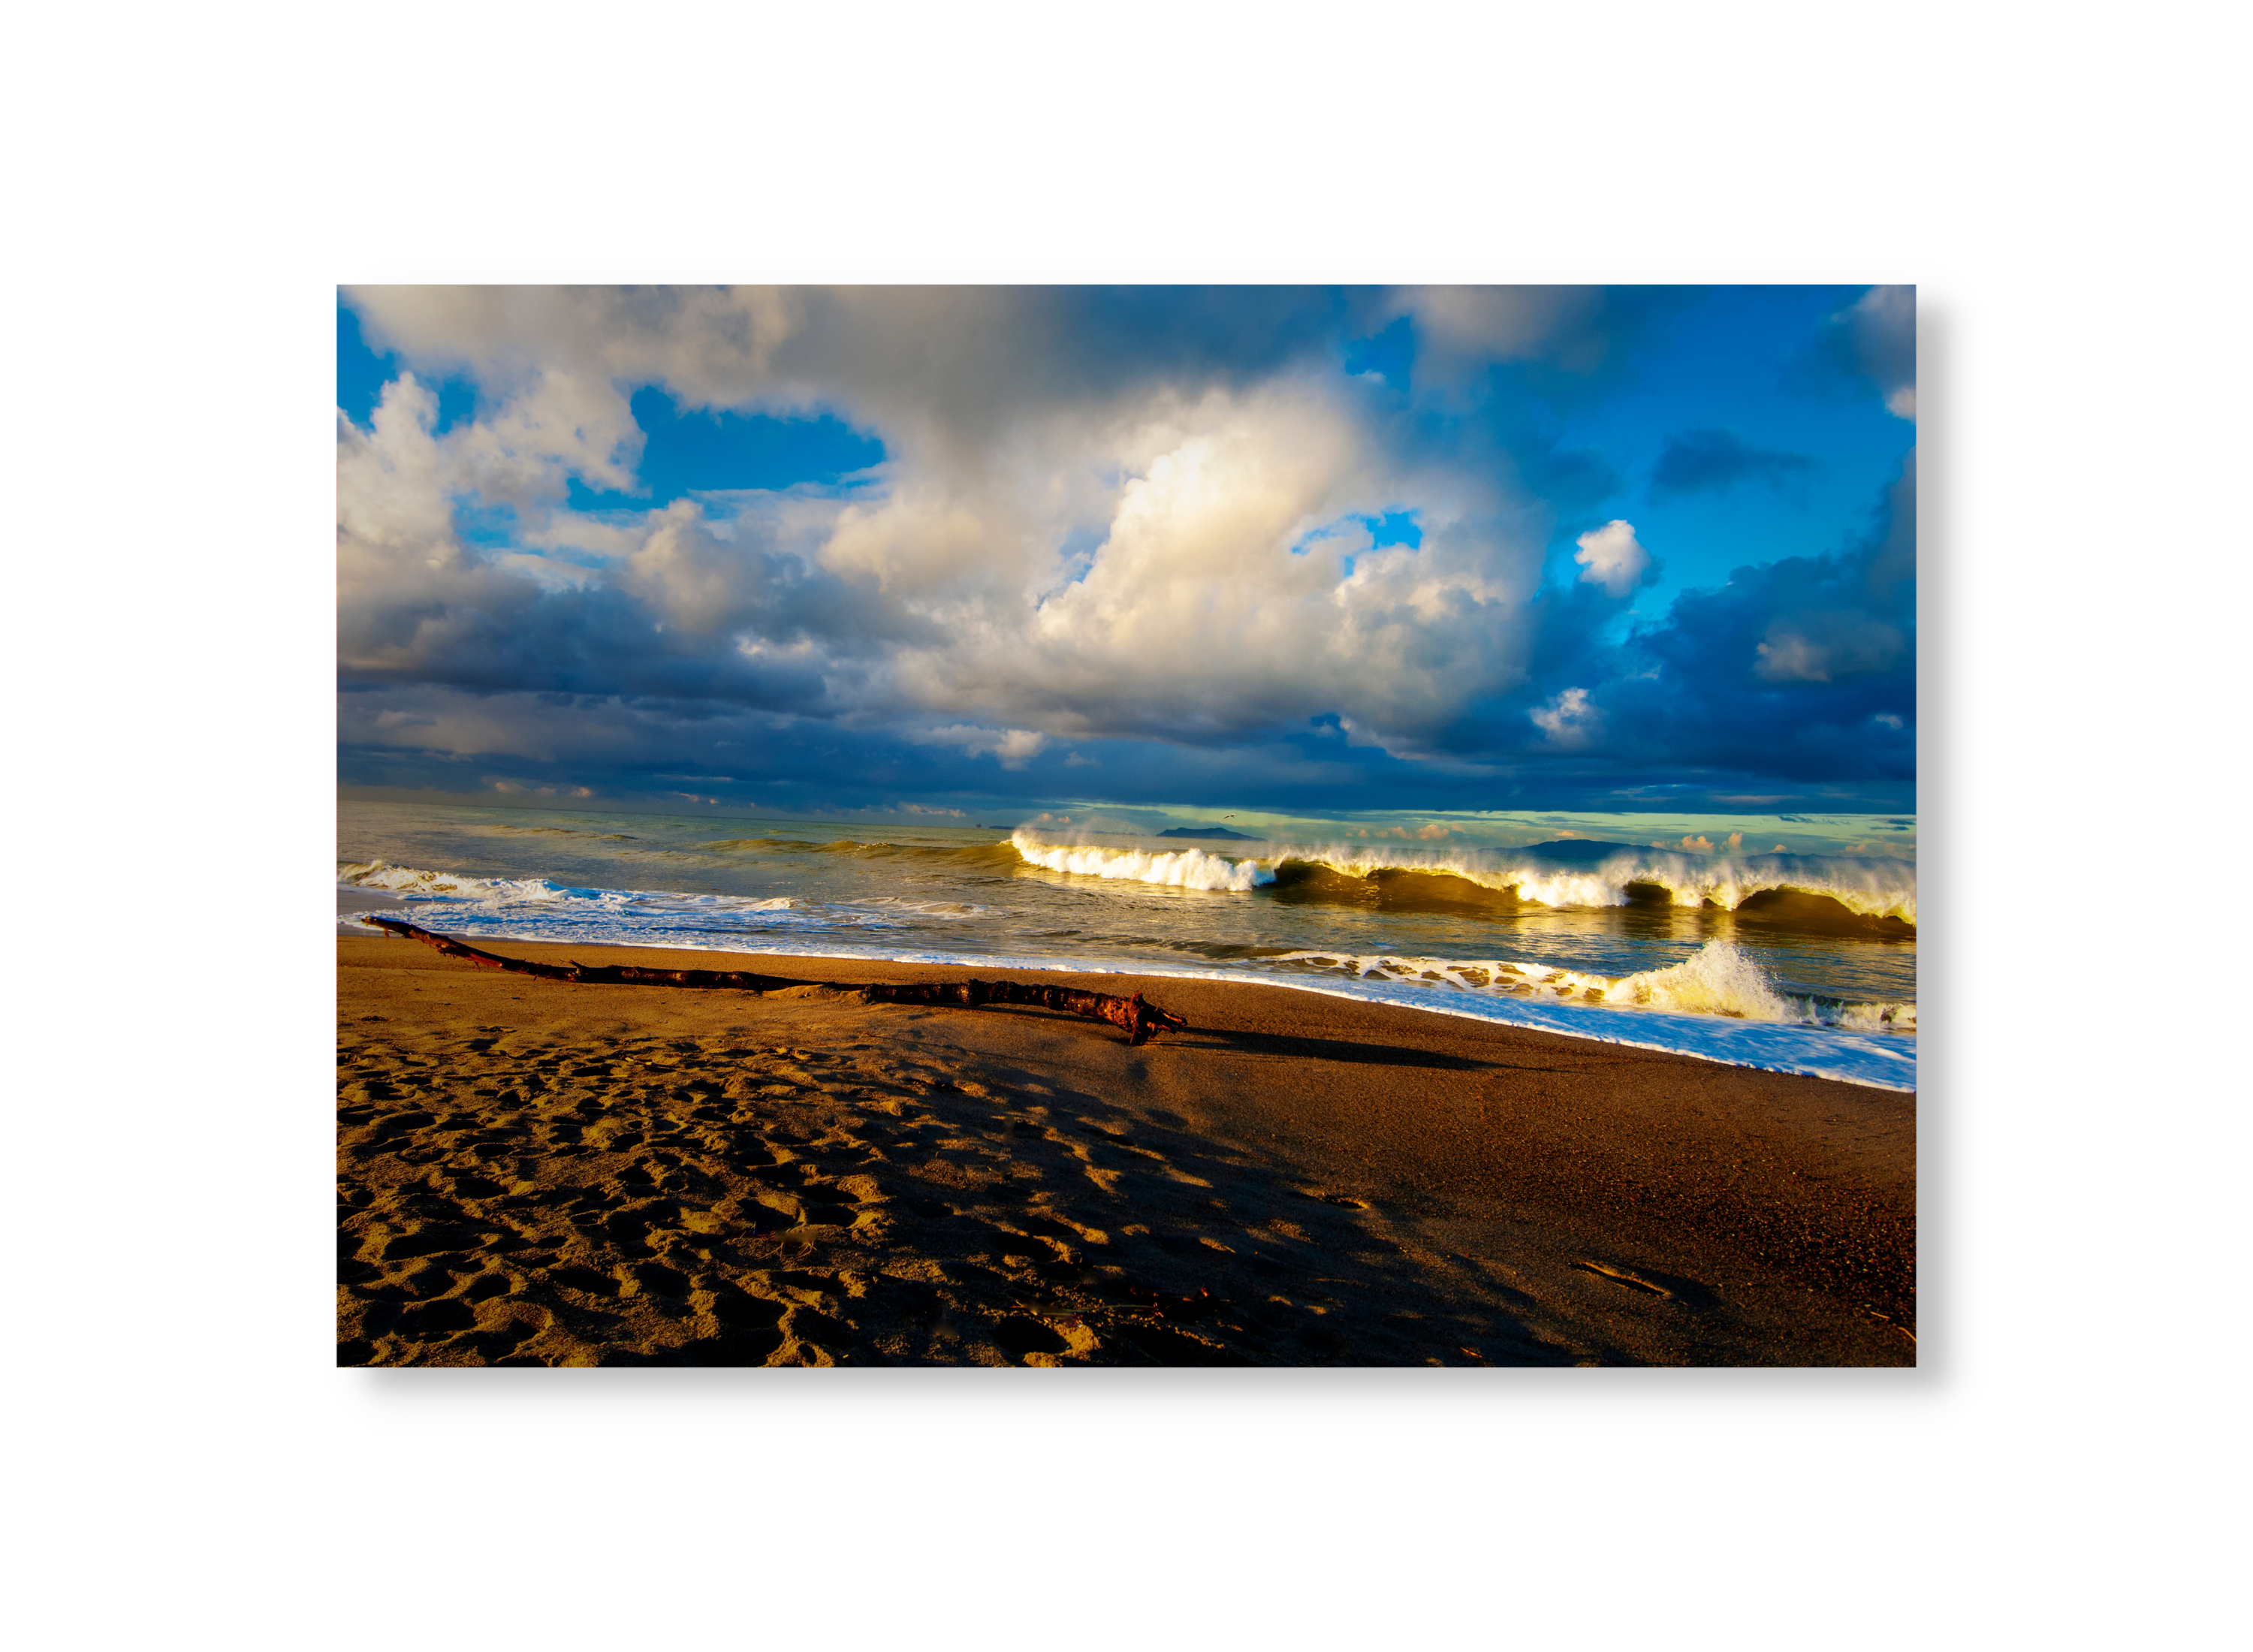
1612	557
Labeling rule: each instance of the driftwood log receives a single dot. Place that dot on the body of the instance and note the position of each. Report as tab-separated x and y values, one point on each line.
1140	1020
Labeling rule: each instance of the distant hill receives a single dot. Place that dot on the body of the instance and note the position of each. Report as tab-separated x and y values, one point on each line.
1209	832
1576	851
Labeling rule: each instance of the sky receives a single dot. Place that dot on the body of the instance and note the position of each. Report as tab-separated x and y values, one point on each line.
987	553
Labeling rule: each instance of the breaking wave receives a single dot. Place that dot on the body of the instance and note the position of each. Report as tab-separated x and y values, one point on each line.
1177	868
1720	978
1871	891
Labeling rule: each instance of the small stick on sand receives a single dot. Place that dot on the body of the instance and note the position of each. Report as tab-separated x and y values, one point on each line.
1140	1020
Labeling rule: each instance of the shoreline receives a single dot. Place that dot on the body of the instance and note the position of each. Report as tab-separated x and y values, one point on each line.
550	1172
1867	1060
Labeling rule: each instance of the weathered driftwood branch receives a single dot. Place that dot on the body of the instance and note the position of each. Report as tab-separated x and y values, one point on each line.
1140	1020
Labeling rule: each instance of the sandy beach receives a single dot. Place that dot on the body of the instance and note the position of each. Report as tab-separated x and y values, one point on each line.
537	1172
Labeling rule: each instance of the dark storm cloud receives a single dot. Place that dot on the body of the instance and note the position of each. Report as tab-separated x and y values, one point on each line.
1714	461
1804	667
688	616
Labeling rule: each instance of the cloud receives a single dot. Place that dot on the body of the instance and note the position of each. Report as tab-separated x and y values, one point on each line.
1794	668
1714	461
1872	341
1015	747
1815	647
1142	521
1463	328
1882	326
1569	720
1611	557
1198	614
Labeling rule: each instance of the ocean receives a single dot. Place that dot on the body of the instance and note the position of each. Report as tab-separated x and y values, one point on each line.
1801	959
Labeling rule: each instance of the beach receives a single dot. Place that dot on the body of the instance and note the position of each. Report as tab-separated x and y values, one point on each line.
541	1173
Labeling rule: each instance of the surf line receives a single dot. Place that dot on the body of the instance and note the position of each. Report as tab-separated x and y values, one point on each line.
1140	1020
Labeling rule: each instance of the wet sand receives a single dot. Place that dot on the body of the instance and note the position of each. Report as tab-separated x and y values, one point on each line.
537	1172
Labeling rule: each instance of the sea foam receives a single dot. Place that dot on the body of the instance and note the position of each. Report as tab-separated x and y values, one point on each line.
1720	978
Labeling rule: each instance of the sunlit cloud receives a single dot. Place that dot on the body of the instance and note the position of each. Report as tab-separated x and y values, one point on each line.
1172	540
1610	556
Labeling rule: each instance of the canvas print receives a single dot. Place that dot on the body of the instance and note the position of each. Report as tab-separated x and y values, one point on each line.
1147	827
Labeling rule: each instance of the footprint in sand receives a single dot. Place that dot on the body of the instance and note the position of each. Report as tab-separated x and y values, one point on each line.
645	1201
1024	1336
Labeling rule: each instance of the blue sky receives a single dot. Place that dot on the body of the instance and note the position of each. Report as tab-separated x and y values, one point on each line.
1316	552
